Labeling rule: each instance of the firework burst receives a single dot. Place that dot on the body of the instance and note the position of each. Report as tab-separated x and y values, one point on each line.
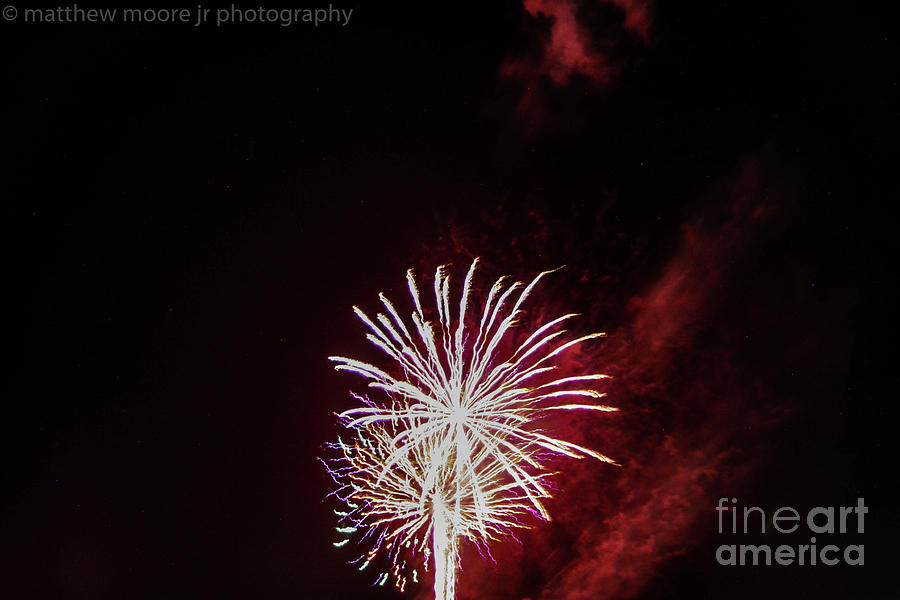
452	452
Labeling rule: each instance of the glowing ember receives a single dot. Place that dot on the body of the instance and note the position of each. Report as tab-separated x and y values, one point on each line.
451	453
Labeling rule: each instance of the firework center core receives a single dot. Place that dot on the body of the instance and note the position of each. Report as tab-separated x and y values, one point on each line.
458	415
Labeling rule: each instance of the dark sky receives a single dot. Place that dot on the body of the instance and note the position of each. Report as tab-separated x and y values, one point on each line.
189	214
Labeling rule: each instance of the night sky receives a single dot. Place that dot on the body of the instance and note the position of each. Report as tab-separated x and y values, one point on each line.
189	214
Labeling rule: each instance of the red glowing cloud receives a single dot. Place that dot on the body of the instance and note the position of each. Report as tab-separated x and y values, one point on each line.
569	48
567	51
661	500
654	524
637	15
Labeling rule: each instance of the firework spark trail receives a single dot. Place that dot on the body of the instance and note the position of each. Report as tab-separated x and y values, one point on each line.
452	455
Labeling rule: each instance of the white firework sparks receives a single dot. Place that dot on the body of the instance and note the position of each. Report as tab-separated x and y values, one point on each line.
453	453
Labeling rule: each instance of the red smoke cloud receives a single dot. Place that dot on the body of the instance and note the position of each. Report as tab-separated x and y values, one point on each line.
569	48
567	51
637	15
660	503
618	558
665	317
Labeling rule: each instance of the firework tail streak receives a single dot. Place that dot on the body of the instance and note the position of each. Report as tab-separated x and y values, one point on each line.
452	452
